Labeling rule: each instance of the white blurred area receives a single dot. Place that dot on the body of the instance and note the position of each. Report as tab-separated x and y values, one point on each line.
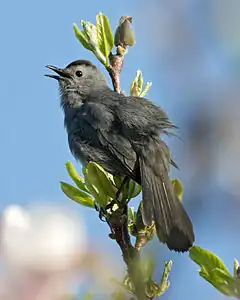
48	237
45	254
43	249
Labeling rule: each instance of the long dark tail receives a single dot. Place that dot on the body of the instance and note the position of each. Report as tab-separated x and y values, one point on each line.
160	204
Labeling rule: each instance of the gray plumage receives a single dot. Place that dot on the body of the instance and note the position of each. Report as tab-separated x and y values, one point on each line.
123	135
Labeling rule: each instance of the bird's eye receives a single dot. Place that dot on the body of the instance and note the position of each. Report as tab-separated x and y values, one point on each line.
78	73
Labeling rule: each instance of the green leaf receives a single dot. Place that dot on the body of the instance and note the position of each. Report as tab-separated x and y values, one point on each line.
90	31
77	195
99	183
140	81
125	191
224	283
92	189
136	86
131	214
76	177
130	190
236	268
82	37
165	283
131	220
207	259
126	280
88	38
134	89
104	36
146	89
88	296
127	283
215	272
136	190
178	188
118	181
100	178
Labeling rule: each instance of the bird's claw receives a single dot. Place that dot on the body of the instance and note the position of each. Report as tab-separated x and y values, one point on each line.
101	212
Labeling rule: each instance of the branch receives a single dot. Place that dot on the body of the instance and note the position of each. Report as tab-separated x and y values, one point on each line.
118	220
116	65
124	37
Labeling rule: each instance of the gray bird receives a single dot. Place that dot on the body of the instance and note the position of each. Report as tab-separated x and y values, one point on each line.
122	134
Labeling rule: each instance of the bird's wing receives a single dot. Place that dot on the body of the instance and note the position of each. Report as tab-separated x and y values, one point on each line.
108	146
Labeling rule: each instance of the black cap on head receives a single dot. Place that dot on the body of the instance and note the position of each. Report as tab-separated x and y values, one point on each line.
81	62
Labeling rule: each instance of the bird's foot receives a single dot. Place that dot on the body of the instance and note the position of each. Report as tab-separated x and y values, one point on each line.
101	212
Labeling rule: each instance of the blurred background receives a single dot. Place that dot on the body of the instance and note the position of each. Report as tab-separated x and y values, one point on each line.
190	50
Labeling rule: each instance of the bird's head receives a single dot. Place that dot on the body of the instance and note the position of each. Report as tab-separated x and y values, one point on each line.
77	81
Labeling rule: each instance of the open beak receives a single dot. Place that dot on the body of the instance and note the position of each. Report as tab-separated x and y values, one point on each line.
61	73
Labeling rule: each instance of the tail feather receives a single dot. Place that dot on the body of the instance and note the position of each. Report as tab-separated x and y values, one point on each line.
160	205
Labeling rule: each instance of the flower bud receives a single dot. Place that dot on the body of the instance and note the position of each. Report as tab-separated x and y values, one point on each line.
124	35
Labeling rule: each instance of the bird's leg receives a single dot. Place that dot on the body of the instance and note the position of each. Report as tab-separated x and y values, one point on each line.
101	212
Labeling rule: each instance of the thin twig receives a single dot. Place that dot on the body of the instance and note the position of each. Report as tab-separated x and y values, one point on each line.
116	65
